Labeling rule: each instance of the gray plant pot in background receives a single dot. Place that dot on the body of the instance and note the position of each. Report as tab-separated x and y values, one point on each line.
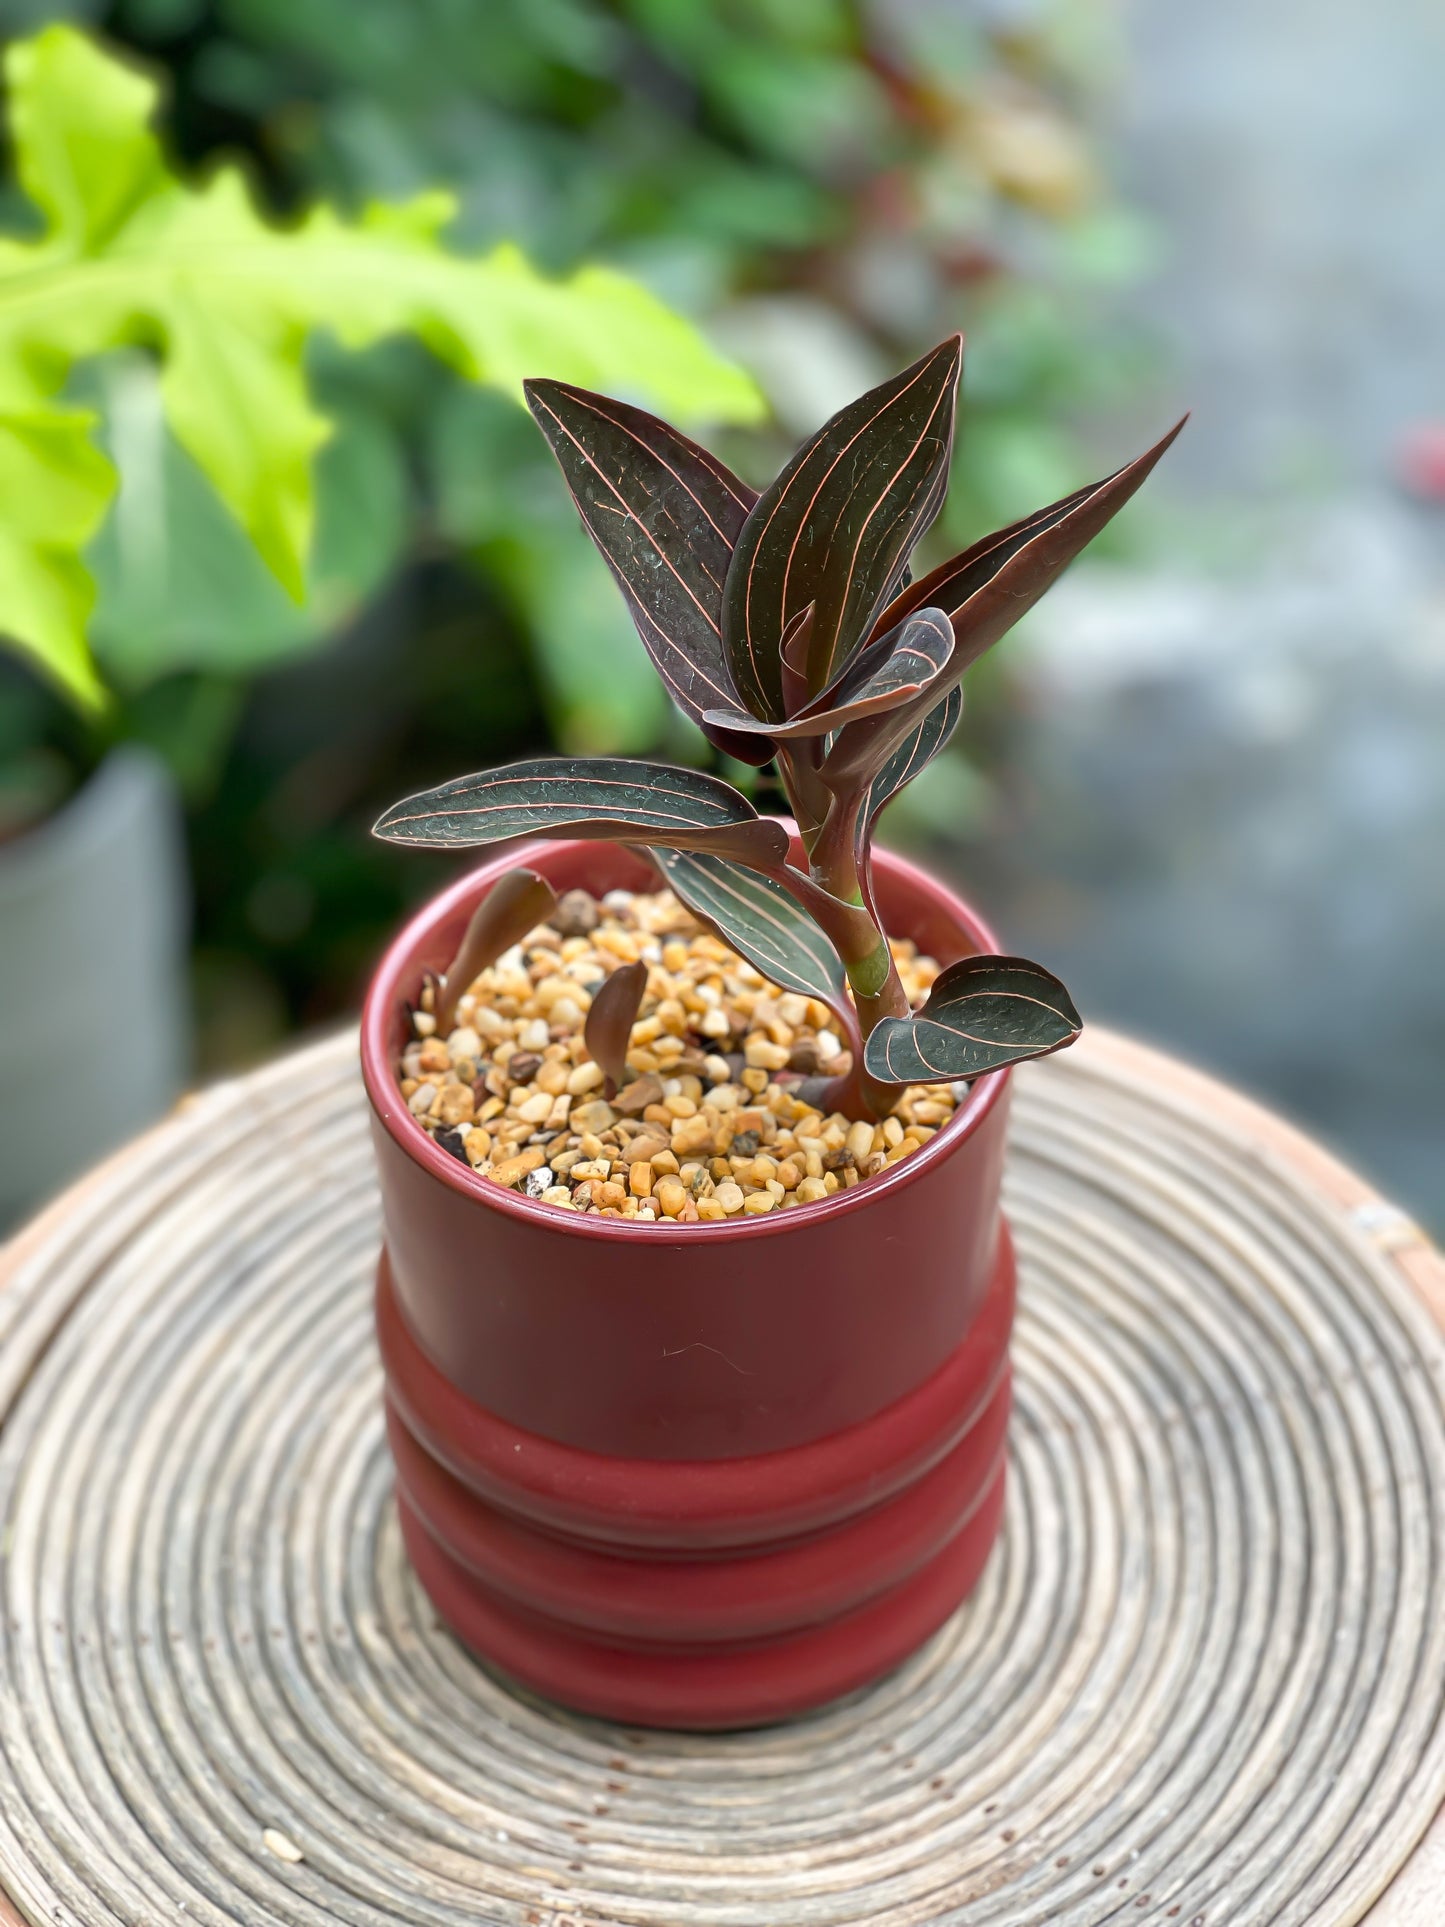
94	1018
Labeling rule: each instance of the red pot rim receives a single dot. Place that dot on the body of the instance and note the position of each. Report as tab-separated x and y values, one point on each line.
383	1090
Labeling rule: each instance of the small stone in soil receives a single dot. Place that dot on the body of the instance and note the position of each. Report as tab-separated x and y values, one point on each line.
513	1092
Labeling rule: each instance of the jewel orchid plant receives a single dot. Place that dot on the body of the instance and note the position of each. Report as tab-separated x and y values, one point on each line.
786	626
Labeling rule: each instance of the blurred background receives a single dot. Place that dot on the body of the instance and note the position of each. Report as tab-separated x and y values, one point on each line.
1205	781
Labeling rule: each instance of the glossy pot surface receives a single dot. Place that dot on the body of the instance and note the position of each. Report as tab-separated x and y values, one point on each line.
701	1475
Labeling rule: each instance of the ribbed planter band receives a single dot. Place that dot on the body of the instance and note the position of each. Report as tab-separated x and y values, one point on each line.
1200	1683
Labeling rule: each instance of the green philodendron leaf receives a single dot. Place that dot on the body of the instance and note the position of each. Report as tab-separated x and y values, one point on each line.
982	1014
132	252
603	797
898	668
760	919
835	527
665	515
56	487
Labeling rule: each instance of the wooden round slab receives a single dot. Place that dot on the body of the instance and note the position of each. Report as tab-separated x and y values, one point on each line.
1202	1681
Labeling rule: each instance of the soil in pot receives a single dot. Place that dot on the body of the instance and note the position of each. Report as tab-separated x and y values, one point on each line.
716	1121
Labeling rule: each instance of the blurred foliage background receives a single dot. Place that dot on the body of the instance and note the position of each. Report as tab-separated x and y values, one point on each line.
829	186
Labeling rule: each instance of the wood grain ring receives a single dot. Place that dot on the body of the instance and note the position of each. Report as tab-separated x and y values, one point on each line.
1203	1680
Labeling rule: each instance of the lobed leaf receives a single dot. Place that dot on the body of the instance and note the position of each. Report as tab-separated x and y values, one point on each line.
983	1013
228	301
835	526
760	919
515	904
665	515
602	797
607	1032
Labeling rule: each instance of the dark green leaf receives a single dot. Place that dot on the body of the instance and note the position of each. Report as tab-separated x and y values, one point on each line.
613	1011
834	527
983	1013
898	669
665	515
605	797
760	919
987	588
922	746
515	904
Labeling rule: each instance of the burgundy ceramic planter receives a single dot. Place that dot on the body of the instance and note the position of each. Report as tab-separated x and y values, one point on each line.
700	1476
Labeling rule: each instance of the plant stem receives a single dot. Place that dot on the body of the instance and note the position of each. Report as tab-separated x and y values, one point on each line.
868	957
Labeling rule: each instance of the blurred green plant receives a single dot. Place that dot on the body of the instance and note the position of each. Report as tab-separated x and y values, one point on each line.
830	183
131	254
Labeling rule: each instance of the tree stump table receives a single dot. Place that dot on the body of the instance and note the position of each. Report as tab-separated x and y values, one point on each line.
1202	1681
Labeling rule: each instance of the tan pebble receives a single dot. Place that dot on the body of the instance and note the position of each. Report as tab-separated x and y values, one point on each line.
591	1168
512	1170
464	1042
455	1104
421	1100
534	1035
424	1023
717	1070
755	1079
533	1109
644	1148
408	1085
633	1099
689	1213
639	1179
811	1190
282	1846
680	1106
730	1197
757	1202
860	1140
671	1194
760	1054
551	1078
929	1111
761	1169
892	1132
434	1056
716	1023
711	1209
670	1016
789	1176
477	1144
693	1134
557	1194
664	1161
594	1116
610	1193
828	1046
586	1077
493	1107
873	1163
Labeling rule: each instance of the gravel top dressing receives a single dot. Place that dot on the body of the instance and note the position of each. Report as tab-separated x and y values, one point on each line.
711	1125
